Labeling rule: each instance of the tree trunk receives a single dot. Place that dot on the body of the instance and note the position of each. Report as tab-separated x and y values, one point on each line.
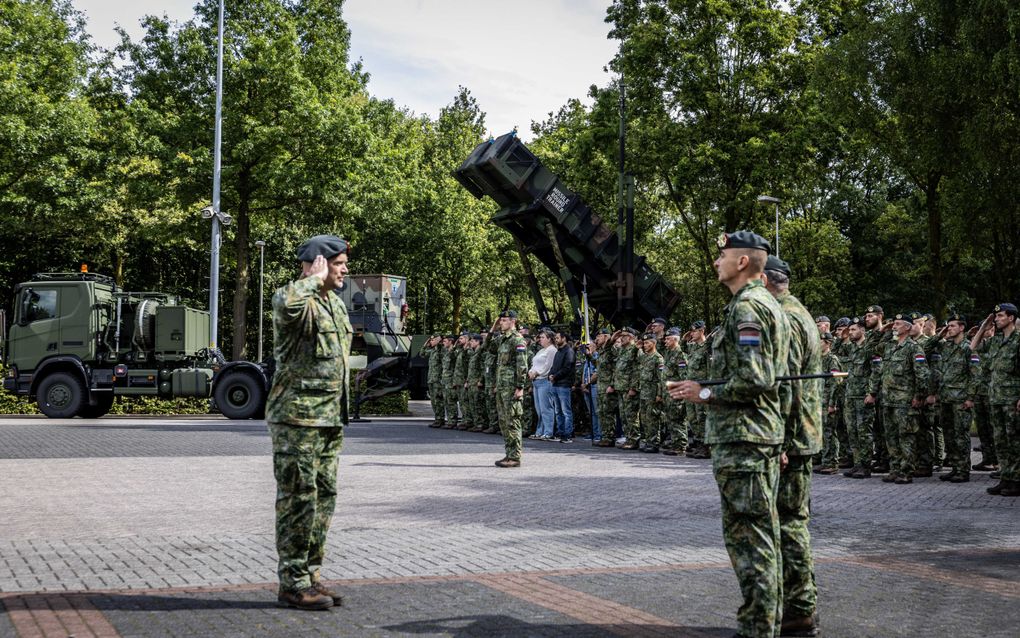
243	272
457	296
935	242
118	269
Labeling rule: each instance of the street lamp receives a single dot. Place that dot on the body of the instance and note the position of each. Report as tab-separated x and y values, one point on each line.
262	273
213	212
767	199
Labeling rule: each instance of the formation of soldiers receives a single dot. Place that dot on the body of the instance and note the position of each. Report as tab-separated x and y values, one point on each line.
913	393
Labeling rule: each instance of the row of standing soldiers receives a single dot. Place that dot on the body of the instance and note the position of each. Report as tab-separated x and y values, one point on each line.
913	392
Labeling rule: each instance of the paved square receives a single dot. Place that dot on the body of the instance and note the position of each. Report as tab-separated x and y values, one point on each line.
164	527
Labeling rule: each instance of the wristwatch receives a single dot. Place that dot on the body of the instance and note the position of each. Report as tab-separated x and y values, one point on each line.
705	394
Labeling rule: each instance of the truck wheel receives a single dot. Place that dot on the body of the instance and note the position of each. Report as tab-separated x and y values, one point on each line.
104	401
61	396
240	396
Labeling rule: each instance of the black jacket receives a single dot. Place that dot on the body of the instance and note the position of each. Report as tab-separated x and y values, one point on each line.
562	369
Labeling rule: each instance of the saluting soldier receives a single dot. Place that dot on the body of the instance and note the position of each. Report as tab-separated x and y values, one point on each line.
674	412
459	380
626	380
306	412
449	391
904	389
433	353
698	353
1004	396
982	406
608	397
832	408
511	376
650	387
862	382
955	397
475	384
745	427
491	414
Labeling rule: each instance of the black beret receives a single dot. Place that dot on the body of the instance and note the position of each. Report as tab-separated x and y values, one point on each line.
1007	308
857	321
843	322
508	314
827	336
632	332
659	320
648	336
452	337
955	316
475	336
698	325
743	239
928	315
821	319
915	315
673	332
904	316
605	331
777	264
876	309
329	246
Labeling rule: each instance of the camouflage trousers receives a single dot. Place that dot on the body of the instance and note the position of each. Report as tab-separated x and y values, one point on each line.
650	417
450	402
478	416
510	412
881	451
696	422
464	398
860	425
983	422
831	448
305	466
1006	427
608	405
928	454
436	397
491	413
748	478
674	415
956	423
800	595
901	436
630	413
528	413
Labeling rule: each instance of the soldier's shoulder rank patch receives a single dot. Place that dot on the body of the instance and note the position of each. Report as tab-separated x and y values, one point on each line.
876	359
919	357
975	359
749	334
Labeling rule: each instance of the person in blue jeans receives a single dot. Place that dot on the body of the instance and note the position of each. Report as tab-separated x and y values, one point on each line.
590	390
541	387
562	377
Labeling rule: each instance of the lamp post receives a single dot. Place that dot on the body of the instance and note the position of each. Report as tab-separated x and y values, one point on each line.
262	275
213	212
767	199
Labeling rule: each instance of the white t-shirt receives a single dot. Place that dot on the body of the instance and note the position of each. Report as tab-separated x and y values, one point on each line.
542	363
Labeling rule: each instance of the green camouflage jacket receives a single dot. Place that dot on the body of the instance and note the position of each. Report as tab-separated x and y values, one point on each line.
750	349
980	373
904	374
623	371
804	421
956	372
832	389
863	365
604	366
650	374
449	359
312	345
1004	369
676	364
475	367
434	355
460	364
698	355
511	361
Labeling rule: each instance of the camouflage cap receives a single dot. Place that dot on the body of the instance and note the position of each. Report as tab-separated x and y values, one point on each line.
875	309
1007	308
842	322
827	336
328	246
822	319
778	265
742	239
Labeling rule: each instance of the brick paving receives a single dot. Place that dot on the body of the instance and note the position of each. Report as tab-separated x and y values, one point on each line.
164	527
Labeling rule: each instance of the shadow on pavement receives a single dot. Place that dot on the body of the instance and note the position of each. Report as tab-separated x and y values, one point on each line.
502	625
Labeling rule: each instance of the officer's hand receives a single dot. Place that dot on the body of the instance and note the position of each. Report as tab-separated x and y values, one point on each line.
968	404
631	393
318	268
931	399
519	393
832	409
610	390
783	461
869	400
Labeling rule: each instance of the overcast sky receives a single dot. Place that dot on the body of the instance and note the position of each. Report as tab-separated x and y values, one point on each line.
521	60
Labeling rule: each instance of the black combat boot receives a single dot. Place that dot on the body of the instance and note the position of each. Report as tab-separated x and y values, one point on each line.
1011	488
997	488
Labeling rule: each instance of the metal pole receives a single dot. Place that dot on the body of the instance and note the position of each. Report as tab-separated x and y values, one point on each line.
262	275
777	229
214	257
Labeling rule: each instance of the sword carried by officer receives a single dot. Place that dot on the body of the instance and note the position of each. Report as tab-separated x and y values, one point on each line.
835	374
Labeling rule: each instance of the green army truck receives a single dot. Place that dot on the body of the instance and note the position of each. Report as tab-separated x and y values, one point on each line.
77	341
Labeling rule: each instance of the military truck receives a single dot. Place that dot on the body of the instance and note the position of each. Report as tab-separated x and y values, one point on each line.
78	341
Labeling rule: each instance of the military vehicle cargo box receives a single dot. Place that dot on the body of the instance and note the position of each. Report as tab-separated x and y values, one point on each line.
181	331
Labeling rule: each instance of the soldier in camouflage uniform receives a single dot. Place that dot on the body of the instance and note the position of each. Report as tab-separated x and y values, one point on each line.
859	414
982	406
746	427
650	385
529	416
698	353
492	417
832	407
306	412
877	338
475	384
802	440
626	380
904	389
929	434
674	412
608	399
842	327
511	376
449	391
433	353
1004	396
955	397
459	380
